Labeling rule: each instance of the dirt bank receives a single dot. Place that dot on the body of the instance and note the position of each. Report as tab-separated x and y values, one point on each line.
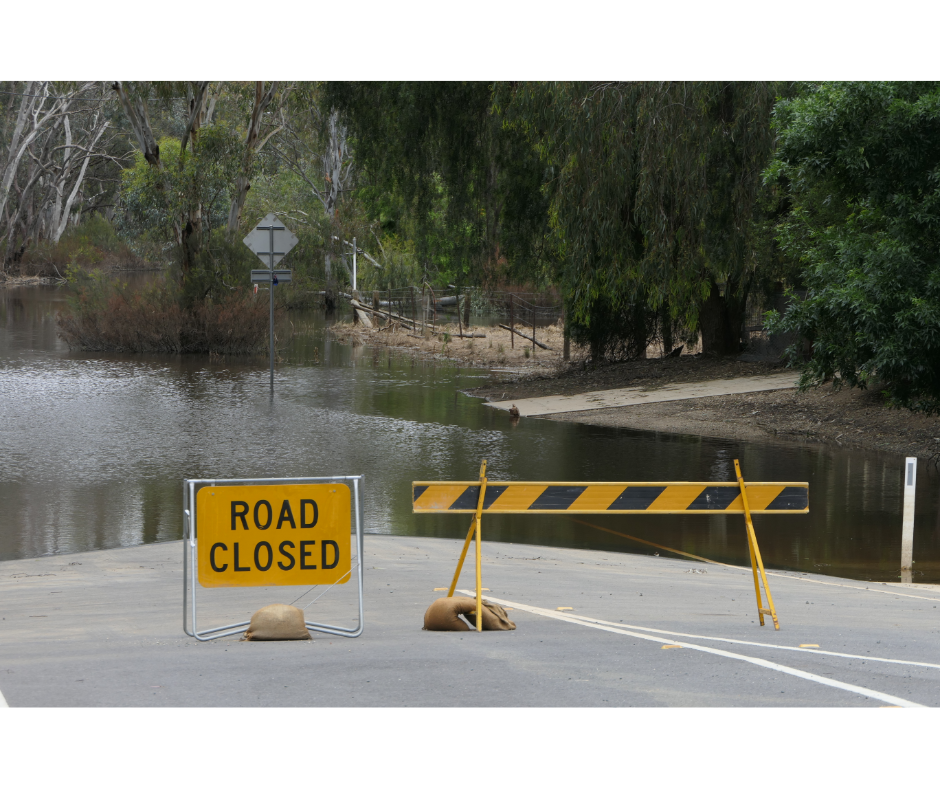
848	418
494	350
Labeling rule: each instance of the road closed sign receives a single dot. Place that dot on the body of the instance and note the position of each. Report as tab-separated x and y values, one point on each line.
273	535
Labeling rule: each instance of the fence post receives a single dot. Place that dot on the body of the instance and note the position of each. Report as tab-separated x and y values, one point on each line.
566	347
907	531
512	341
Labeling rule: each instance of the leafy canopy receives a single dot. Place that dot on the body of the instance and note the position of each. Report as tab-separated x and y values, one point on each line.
861	162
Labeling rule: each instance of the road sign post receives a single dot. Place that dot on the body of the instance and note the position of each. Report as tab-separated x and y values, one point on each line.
272	240
240	533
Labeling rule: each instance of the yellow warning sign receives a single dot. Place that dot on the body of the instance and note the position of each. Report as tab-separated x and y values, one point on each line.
273	535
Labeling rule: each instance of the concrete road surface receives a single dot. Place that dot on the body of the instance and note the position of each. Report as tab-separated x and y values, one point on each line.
594	629
617	398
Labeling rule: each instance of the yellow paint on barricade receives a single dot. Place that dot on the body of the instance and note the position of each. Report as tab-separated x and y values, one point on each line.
738	497
273	535
611	497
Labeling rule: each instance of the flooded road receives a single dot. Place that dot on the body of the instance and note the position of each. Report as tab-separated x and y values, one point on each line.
94	448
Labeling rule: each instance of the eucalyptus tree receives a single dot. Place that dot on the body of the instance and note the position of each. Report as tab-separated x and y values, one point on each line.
50	135
314	146
218	131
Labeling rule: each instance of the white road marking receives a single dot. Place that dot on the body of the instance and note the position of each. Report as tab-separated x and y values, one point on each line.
763	663
801	649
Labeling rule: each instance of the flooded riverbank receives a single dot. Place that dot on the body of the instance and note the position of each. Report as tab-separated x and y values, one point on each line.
95	448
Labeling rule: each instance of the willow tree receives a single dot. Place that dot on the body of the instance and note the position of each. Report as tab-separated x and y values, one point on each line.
653	189
438	165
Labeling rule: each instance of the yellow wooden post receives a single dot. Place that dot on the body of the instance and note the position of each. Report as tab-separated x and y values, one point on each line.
463	555
755	554
479	523
760	601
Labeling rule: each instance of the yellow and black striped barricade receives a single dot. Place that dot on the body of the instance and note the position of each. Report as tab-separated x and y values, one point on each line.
738	497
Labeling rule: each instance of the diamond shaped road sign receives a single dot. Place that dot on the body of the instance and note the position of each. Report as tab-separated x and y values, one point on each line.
260	239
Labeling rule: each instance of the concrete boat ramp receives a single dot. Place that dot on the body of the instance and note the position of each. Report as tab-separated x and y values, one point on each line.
618	398
595	629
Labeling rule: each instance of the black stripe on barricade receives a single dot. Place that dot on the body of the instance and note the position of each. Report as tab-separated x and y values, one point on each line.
493	492
468	498
636	498
419	490
790	498
715	498
557	497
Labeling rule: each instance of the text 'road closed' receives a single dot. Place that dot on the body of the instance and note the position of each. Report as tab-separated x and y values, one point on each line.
279	534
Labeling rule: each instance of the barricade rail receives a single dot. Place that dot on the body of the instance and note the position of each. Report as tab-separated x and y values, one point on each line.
517	497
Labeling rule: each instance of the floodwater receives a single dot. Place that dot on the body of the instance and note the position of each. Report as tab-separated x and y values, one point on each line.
94	449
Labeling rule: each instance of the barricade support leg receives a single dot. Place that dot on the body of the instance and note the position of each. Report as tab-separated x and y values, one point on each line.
463	555
756	563
479	538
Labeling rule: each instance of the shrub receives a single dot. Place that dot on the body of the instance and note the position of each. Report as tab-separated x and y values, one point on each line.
91	244
107	316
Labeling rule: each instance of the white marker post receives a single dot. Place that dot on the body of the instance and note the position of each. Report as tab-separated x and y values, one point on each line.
907	533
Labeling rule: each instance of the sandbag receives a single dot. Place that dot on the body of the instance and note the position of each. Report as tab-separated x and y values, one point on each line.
277	622
444	614
494	617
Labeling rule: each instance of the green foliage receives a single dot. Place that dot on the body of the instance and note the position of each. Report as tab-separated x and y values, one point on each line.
90	244
160	201
653	193
441	169
861	163
219	267
399	269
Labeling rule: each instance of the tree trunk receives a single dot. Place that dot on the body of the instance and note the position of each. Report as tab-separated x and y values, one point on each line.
253	143
136	113
665	323
721	318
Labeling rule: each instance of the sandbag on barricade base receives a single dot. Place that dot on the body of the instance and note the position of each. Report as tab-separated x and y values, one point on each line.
444	615
494	617
277	622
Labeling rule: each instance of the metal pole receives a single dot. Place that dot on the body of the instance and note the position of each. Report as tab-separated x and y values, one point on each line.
354	264
271	293
907	532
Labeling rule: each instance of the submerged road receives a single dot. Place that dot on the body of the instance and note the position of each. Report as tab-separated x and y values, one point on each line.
643	395
594	629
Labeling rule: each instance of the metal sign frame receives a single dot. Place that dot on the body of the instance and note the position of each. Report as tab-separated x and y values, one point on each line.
471	498
190	530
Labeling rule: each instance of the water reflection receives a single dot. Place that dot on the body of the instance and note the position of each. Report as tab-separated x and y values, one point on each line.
94	449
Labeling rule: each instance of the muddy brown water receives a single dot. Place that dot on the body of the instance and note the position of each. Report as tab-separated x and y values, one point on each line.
94	448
